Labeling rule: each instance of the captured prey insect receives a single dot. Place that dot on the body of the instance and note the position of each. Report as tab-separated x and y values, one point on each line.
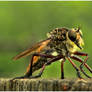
61	44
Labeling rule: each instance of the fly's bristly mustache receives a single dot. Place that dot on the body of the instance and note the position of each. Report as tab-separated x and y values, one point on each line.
76	42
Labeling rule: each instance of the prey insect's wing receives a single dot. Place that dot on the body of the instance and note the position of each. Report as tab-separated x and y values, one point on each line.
35	48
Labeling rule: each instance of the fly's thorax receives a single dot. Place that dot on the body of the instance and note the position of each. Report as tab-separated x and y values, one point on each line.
58	34
59	49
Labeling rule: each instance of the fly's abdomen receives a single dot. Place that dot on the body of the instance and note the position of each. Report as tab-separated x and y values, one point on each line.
39	61
39	64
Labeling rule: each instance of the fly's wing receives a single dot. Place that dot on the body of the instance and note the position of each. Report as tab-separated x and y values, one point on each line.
36	48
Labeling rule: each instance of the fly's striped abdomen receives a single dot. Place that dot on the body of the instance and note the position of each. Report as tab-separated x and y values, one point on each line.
41	61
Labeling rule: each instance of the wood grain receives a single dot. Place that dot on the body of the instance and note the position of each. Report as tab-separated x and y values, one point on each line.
45	85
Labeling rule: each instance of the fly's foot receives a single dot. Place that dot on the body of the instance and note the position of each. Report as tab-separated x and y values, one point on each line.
36	76
22	77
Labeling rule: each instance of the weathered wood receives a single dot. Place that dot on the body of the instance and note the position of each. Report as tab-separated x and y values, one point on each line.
45	85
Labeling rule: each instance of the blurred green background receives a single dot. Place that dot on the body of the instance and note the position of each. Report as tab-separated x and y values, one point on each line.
25	23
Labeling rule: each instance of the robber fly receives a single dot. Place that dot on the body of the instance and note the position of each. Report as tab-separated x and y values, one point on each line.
61	44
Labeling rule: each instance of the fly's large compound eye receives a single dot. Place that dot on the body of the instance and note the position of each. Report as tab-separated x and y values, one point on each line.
72	36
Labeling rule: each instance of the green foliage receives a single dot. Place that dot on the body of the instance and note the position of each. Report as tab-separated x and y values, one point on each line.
25	23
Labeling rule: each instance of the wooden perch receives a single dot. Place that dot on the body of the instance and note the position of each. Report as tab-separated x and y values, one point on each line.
45	85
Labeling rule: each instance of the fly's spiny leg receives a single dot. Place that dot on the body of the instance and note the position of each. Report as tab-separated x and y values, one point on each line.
29	72
82	54
62	69
83	63
73	64
80	60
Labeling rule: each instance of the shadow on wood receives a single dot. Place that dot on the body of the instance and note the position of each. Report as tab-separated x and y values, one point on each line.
45	85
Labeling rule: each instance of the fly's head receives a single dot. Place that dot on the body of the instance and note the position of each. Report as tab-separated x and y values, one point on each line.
75	35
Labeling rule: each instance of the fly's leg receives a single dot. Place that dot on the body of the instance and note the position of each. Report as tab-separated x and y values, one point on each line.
62	69
48	62
80	60
82	54
29	73
83	63
73	64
